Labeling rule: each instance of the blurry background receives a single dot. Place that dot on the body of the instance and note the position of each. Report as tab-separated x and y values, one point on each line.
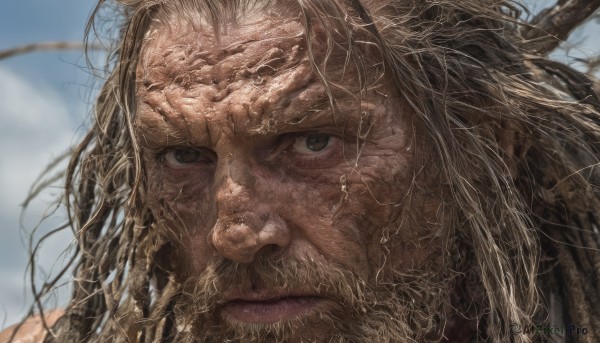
45	99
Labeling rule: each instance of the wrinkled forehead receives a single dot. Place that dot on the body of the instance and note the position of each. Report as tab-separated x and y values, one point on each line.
180	43
174	49
212	36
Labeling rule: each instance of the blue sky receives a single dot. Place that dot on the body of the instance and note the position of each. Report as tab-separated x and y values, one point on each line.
43	102
44	99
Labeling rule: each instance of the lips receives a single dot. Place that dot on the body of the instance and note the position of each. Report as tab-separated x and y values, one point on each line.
269	309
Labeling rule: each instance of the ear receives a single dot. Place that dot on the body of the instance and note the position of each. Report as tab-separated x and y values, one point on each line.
513	146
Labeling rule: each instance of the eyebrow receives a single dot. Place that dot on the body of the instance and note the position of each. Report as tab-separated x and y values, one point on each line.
316	112
308	114
157	129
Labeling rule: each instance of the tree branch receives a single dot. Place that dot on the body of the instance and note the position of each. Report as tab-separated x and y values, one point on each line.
44	46
592	64
554	24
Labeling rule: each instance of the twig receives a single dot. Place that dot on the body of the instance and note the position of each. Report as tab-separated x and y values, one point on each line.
593	64
554	24
45	46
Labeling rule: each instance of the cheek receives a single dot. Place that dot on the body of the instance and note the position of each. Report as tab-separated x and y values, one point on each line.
328	217
419	229
375	201
184	211
337	218
338	215
397	207
182	191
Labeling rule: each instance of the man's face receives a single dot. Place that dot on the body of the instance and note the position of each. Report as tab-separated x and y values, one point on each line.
276	203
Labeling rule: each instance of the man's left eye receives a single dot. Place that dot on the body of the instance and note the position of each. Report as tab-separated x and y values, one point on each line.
313	143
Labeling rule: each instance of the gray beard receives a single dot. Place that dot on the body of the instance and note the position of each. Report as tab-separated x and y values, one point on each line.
413	307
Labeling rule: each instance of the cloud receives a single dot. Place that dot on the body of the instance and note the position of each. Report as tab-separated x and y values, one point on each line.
35	127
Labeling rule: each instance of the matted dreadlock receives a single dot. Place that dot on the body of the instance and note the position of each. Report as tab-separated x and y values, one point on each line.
464	70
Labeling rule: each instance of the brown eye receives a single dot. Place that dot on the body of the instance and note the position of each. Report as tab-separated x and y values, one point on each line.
313	143
182	157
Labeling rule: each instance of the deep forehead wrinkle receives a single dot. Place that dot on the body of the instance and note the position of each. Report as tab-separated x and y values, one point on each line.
259	80
172	49
164	125
192	66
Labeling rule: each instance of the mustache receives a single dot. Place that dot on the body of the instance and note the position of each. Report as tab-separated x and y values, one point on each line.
223	279
408	307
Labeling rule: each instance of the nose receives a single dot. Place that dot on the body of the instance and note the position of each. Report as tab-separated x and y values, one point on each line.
246	225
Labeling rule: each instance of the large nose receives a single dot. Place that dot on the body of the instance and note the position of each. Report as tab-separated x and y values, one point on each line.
246	224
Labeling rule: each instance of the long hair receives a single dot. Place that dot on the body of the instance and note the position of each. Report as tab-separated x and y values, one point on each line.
526	211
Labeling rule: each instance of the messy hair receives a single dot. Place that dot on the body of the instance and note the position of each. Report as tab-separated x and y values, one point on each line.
526	212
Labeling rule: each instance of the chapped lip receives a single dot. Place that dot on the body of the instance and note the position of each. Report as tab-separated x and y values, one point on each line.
269	306
265	294
270	296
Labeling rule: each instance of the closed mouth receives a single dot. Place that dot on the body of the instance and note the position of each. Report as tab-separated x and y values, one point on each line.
266	310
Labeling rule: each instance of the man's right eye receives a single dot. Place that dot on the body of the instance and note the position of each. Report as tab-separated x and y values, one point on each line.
184	157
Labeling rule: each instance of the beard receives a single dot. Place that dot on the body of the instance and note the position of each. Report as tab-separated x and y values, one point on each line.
411	306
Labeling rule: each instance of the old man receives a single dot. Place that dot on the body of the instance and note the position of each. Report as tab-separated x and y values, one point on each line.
333	171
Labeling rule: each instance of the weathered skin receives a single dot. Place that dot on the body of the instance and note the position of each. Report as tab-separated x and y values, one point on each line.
248	102
255	188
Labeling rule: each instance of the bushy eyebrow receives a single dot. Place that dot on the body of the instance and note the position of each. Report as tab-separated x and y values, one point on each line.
159	127
306	115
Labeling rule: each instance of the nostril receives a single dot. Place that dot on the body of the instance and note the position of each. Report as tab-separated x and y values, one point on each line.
265	217
268	250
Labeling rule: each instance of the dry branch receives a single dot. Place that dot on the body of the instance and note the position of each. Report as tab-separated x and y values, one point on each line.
43	46
554	24
593	64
